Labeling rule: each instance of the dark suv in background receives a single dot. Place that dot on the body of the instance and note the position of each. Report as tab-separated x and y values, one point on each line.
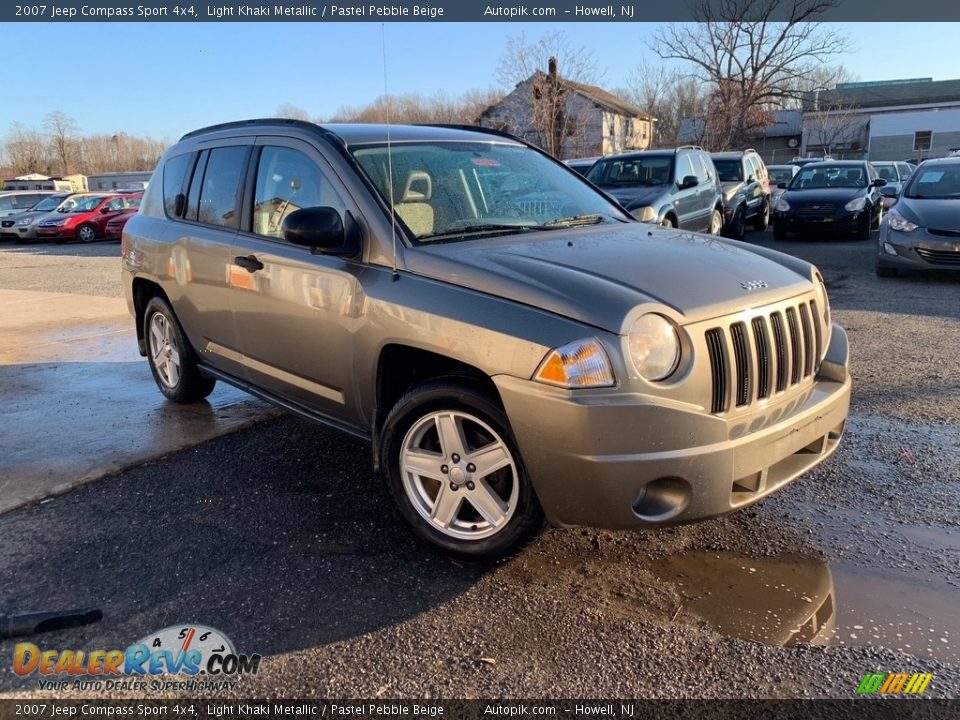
743	177
673	188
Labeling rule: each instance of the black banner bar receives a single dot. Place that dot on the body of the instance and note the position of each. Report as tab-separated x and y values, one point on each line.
855	709
562	11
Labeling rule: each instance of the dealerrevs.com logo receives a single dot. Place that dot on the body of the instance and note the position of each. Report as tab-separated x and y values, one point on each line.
183	651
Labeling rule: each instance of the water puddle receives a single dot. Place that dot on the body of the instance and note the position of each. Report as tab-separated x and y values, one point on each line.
775	601
790	599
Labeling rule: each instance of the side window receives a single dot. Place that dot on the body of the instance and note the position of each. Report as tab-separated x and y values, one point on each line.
193	197
288	180
174	178
684	167
115	204
701	165
221	185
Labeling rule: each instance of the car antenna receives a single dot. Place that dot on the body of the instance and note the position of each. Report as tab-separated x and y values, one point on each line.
393	213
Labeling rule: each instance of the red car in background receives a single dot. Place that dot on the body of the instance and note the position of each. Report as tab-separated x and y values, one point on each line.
114	226
84	217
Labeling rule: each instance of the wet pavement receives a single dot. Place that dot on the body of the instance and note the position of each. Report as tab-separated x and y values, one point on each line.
79	401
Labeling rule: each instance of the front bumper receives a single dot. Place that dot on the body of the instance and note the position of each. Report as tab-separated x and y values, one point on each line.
623	460
841	221
48	233
917	250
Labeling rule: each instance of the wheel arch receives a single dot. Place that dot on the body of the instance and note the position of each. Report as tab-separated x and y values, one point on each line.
402	367
144	290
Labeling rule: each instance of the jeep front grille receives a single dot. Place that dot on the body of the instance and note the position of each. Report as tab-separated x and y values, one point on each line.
771	353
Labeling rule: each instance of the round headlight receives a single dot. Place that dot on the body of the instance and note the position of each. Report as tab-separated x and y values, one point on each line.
654	347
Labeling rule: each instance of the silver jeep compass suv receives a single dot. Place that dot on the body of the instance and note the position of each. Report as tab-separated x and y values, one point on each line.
512	343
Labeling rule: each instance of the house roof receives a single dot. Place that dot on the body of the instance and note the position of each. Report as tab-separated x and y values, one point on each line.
788	123
870	96
598	96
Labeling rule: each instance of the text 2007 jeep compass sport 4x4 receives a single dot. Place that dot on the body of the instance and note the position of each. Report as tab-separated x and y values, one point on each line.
510	340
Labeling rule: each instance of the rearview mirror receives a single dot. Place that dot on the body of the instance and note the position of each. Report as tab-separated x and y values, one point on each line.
688	182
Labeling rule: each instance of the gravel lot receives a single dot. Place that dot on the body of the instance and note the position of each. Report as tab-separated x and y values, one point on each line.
283	538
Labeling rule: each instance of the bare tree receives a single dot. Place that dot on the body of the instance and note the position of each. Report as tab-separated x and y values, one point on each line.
752	64
834	129
438	108
62	131
544	107
669	97
27	150
286	110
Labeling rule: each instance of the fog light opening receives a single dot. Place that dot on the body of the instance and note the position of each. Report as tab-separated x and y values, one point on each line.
662	499
889	249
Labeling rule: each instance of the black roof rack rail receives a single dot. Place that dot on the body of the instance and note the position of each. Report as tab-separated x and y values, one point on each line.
236	124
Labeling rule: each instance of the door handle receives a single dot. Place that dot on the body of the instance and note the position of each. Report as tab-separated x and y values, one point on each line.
248	263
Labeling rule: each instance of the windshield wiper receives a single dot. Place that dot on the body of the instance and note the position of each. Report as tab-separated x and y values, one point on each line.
573	221
479	228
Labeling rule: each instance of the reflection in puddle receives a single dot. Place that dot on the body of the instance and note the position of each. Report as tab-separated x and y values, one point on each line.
775	601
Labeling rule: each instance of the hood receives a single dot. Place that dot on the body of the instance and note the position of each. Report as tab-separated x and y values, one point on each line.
637	195
823	195
730	188
597	275
936	214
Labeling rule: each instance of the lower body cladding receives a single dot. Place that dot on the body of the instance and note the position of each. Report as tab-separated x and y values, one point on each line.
920	249
622	460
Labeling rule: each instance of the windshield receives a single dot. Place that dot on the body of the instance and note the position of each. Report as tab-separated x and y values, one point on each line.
829	176
729	170
941	182
48	204
631	171
887	172
83	204
779	175
454	190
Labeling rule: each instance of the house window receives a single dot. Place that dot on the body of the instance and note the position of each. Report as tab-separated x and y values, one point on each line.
922	139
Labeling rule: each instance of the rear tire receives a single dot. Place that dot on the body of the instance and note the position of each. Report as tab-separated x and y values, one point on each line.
716	222
435	441
172	360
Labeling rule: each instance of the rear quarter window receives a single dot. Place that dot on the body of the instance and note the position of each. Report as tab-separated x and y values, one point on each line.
174	180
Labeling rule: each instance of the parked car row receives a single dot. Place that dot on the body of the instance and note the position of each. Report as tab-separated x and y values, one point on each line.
62	217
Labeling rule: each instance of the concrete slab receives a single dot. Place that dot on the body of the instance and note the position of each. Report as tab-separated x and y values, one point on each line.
79	402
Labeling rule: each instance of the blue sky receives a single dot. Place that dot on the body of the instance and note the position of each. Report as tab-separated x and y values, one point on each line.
164	79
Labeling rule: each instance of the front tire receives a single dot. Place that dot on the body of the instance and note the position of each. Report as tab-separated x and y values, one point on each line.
738	225
172	360
762	221
886	272
86	234
455	473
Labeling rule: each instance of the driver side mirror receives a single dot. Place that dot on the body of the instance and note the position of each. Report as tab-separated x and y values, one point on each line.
321	229
879	182
782	186
688	182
